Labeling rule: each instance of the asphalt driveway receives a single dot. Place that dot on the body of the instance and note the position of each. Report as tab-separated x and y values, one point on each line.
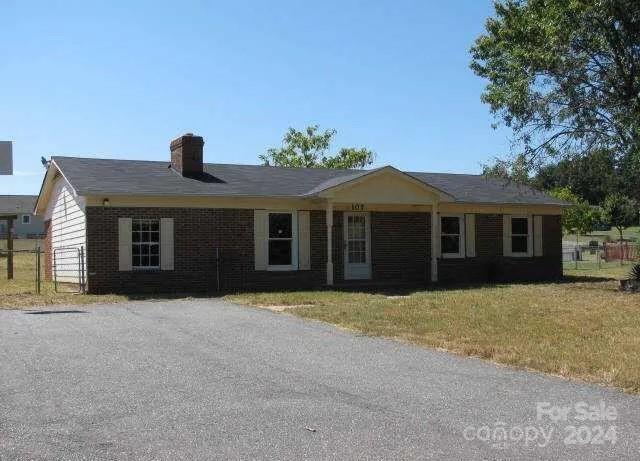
207	379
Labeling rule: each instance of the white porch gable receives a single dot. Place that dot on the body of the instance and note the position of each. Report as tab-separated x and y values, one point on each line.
386	185
383	186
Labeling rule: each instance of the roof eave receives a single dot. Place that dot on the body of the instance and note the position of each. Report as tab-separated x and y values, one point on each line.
47	181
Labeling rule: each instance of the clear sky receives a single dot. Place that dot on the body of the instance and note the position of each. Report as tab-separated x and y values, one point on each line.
114	79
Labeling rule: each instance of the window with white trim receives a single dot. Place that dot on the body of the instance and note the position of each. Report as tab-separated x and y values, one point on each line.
145	244
26	219
452	242
281	240
520	238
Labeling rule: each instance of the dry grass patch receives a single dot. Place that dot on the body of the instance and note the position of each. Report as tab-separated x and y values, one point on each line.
21	291
586	330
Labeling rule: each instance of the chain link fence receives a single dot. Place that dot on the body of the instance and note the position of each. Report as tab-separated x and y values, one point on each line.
596	255
22	270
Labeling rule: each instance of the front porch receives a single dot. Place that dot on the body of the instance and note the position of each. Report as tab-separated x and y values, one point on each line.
381	248
384	226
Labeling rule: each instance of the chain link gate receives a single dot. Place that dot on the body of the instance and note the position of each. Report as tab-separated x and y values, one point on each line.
68	269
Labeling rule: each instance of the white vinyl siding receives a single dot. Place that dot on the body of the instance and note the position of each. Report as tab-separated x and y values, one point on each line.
68	231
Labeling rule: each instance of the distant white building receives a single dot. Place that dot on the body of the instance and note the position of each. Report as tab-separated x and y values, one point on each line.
27	225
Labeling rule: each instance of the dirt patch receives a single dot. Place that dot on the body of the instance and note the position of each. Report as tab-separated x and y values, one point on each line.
282	307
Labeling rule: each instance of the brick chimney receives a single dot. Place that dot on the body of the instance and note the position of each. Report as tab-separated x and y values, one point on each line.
186	154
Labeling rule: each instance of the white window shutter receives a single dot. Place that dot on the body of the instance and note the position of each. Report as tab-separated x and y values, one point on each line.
470	235
304	240
537	235
506	235
124	244
260	232
166	244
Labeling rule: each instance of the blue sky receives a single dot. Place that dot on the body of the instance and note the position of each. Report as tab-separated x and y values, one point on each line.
120	79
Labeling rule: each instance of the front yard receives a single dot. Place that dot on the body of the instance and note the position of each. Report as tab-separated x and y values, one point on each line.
583	328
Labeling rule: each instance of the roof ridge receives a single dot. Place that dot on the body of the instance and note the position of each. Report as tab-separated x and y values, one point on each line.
346	170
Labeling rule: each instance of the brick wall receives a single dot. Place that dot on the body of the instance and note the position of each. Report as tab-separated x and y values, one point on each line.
400	247
490	265
209	244
400	252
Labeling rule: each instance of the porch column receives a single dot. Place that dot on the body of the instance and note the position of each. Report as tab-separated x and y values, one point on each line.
435	240
329	219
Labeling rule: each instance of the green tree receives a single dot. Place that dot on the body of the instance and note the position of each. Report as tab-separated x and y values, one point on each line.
310	149
581	217
620	212
564	75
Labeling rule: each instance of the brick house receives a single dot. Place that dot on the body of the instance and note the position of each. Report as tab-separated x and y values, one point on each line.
182	225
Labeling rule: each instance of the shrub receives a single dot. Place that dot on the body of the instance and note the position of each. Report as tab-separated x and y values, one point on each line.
634	274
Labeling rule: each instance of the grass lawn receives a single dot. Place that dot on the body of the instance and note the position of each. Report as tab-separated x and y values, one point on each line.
582	328
21	291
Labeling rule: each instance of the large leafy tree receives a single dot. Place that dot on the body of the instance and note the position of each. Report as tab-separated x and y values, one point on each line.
564	75
620	211
310	149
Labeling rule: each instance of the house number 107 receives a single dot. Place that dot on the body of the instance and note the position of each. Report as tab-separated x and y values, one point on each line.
357	207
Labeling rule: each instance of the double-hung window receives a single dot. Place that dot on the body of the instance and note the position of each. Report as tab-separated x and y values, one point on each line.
519	236
282	227
26	219
452	243
145	244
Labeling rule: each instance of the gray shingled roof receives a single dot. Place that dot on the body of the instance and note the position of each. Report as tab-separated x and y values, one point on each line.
135	177
17	204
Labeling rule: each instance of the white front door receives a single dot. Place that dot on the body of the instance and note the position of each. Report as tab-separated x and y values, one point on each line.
357	245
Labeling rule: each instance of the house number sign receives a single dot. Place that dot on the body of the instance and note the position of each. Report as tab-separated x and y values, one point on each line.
357	207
